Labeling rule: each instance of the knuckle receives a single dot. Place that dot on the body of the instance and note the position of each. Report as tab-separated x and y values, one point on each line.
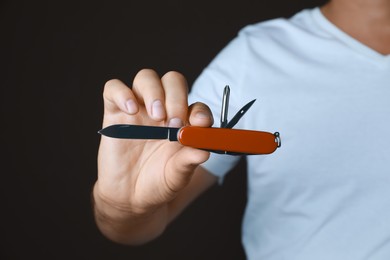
145	71
175	76
200	106
175	84
144	77
109	85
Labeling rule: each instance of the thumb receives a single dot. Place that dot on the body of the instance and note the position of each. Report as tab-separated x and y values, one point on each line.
182	165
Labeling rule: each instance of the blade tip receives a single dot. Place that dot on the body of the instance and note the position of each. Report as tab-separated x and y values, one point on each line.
103	131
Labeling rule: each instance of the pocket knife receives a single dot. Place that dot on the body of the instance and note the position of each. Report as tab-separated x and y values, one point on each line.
223	140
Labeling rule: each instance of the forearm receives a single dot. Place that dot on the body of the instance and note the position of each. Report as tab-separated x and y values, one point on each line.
128	227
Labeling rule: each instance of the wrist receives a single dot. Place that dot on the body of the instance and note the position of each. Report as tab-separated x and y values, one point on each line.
109	209
123	224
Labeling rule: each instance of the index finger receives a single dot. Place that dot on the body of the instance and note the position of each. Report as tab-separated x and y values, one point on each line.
118	97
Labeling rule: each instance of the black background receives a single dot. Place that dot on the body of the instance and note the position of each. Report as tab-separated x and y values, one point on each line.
55	58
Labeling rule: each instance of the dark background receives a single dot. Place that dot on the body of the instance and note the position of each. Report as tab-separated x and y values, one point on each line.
55	58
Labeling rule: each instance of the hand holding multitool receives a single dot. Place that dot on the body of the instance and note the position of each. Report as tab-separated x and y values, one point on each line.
223	140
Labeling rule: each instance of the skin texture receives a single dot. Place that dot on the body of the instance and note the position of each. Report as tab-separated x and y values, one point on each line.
143	185
368	21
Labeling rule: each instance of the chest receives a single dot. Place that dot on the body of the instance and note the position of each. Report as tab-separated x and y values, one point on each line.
334	128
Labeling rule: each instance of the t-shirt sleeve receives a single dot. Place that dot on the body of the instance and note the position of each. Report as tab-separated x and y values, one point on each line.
224	69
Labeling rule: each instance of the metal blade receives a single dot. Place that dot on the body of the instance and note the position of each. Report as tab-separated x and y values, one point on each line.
239	114
140	132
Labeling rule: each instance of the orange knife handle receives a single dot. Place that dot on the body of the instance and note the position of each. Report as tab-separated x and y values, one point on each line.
229	140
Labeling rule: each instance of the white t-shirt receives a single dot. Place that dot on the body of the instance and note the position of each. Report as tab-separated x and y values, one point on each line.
325	194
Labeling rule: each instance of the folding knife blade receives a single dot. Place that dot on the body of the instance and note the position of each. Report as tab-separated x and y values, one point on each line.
140	132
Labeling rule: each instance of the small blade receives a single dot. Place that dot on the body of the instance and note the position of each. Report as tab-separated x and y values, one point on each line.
239	114
140	132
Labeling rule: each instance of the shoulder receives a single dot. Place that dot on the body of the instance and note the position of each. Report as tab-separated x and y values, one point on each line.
280	30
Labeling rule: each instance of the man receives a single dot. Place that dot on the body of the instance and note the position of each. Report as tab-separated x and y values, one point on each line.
322	80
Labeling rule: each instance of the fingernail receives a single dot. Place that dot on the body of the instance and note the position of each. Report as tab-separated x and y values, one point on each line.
158	110
175	122
131	106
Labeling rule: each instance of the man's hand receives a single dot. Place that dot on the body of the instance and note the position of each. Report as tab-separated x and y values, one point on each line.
138	178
